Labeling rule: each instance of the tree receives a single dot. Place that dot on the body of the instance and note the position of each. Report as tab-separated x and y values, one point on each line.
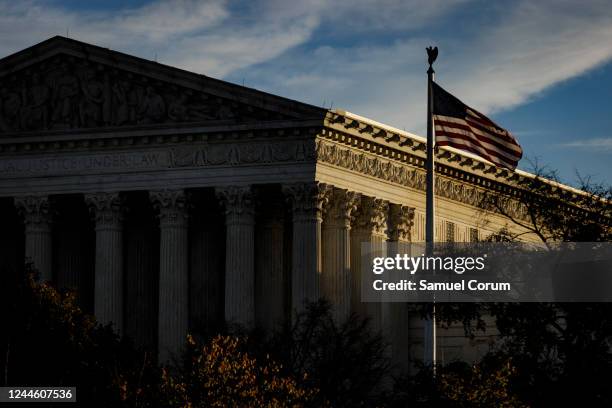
345	361
48	340
557	348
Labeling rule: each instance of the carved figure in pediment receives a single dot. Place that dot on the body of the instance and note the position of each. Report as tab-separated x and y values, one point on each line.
121	113
186	107
225	112
34	113
134	96
153	107
199	111
10	105
107	101
67	92
90	105
177	110
65	98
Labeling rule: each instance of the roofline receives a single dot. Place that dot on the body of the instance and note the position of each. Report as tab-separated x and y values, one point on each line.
22	58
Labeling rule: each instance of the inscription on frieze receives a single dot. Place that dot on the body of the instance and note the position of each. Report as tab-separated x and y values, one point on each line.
187	156
87	163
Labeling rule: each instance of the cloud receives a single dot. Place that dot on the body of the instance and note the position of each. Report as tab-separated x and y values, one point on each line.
203	36
537	45
213	37
518	52
365	56
599	145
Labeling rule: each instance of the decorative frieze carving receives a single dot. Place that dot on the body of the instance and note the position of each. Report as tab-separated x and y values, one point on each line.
171	206
106	208
395	172
400	222
67	92
371	215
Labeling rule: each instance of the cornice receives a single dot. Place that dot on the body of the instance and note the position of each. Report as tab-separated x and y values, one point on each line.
122	137
362	134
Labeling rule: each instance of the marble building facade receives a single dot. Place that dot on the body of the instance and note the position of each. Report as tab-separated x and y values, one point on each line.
173	201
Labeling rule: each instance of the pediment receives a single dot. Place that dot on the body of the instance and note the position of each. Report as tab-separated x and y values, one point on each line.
65	84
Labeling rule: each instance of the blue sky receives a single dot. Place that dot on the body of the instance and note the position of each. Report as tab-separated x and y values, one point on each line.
542	69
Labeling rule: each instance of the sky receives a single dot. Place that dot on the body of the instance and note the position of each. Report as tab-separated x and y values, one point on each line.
542	69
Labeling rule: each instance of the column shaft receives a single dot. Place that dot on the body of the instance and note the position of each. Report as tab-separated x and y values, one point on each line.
397	316
108	276
173	312
336	277
369	228
240	254
307	200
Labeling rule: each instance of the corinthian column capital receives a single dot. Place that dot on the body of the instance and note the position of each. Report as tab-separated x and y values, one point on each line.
371	215
401	220
237	200
342	204
106	208
307	199
171	206
35	211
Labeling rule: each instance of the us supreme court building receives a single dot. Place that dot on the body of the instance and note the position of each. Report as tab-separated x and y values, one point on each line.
172	201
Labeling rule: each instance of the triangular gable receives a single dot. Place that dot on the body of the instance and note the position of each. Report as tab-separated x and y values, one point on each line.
66	84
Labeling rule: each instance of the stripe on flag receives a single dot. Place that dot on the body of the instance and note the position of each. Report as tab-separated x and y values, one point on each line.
459	126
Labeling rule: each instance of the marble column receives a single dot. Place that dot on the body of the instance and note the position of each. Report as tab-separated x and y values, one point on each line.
107	209
269	278
370	228
336	280
38	244
239	254
173	314
397	315
307	201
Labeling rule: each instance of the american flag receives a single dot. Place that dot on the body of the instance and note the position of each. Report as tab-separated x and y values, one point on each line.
457	125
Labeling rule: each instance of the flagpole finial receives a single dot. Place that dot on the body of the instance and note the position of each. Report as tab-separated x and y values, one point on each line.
432	54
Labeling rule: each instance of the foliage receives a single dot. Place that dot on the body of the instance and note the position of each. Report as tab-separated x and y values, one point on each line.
222	374
481	385
553	213
345	361
49	340
556	348
488	383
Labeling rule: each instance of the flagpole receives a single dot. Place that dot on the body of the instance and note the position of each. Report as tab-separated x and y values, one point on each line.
429	340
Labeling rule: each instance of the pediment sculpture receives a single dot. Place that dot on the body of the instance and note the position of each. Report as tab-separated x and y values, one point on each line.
67	93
